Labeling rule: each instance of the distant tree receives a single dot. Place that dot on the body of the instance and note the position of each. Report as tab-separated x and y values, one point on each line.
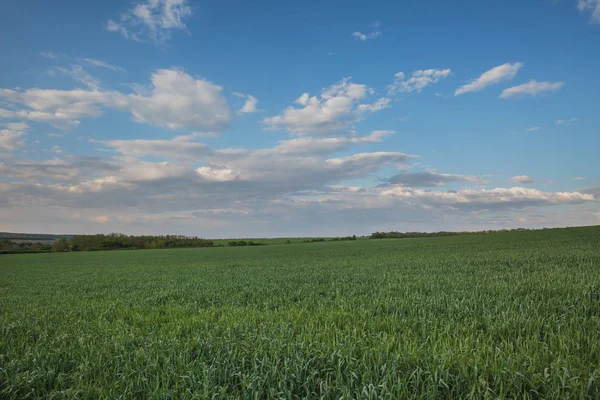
60	245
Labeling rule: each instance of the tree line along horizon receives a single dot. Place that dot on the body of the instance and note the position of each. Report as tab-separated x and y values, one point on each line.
120	241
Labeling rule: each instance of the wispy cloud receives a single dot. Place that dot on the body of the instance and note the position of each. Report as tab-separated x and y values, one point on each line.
101	64
80	75
579	178
523	180
48	54
533	128
590	5
504	72
375	32
152	20
568	122
531	88
418	81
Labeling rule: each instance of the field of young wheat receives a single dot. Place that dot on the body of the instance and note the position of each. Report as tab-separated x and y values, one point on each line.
504	315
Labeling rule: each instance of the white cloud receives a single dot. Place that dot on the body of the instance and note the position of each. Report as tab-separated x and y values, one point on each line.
181	147
431	179
533	128
531	88
336	108
48	54
249	105
569	122
590	5
579	178
10	140
17	126
418	81
314	146
152	20
176	101
366	36
56	149
179	101
80	75
101	64
59	169
504	72
523	180
252	191
375	32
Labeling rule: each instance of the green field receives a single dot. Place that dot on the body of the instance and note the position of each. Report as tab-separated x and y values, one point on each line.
504	315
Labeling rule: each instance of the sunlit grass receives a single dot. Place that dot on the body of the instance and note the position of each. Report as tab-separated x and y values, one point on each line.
507	315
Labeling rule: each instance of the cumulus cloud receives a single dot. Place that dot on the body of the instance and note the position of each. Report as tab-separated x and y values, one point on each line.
504	72
431	179
417	82
176	100
337	107
590	5
531	88
180	101
523	180
152	20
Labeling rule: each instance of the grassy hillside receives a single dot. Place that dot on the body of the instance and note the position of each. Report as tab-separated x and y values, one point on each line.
502	315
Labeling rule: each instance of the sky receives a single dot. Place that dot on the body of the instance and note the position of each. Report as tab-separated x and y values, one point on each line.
223	118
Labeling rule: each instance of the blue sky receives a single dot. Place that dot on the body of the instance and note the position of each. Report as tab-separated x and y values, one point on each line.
229	118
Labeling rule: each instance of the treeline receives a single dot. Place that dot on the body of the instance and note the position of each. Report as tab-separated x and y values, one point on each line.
403	235
9	247
118	241
333	239
235	243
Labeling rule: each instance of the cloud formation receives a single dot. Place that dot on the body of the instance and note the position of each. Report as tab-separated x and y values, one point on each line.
417	82
523	180
431	179
249	106
375	32
101	64
531	88
338	106
11	138
590	5
152	20
504	72
175	100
